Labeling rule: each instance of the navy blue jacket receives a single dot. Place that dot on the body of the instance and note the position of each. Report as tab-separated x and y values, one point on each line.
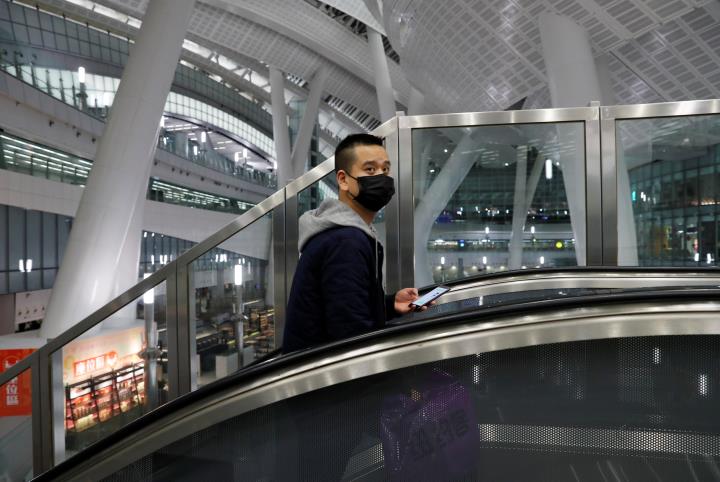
337	291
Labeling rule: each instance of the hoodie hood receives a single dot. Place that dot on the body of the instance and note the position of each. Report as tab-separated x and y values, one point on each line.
331	213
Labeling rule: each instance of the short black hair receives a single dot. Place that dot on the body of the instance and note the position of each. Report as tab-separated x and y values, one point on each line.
345	154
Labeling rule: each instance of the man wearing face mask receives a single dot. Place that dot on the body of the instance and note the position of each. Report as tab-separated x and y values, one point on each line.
337	291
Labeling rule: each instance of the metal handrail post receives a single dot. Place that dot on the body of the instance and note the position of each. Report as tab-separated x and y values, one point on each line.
172	318
280	256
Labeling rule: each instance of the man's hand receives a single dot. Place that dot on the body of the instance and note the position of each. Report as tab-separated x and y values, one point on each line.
403	298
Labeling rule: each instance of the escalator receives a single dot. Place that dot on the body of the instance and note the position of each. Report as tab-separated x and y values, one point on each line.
561	384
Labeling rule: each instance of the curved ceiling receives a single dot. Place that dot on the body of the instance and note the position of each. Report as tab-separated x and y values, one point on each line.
486	54
291	35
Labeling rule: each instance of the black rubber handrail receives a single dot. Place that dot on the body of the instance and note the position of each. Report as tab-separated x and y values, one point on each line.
661	295
579	269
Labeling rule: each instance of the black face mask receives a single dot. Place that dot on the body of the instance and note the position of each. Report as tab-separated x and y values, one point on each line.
375	191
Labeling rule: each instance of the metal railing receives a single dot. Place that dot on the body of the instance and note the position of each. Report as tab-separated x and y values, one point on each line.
600	213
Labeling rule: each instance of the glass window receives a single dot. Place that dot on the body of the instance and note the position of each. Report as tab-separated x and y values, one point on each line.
48	39
72	29
62	42
85	48
48	278
21	33
31	17
49	240
46	22
95	50
93	36
64	225
58	25
16	236
5	30
33	237
35	36
73	46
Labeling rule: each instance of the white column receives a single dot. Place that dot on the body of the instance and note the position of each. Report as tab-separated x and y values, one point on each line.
607	94
383	85
569	63
573	81
519	212
129	264
281	136
435	199
627	234
307	124
121	168
520	216
416	104
127	272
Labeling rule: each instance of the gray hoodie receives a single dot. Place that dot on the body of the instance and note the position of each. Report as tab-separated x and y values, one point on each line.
331	213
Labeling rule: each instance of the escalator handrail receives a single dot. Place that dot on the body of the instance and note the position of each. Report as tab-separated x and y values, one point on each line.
497	278
262	369
591	270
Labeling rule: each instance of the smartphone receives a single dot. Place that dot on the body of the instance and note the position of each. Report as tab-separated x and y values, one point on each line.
429	297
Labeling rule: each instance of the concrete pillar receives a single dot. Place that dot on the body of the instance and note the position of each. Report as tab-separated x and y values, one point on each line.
302	142
281	135
383	85
416	104
121	168
573	81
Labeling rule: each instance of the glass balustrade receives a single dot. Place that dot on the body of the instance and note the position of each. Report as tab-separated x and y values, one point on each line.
668	191
496	198
110	375
231	304
16	441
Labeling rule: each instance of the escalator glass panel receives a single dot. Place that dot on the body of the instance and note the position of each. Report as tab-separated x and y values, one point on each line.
636	409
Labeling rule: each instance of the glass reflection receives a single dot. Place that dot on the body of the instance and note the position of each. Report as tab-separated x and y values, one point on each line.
496	198
668	171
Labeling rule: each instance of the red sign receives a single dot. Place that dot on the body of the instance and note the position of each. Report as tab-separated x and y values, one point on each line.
15	395
98	363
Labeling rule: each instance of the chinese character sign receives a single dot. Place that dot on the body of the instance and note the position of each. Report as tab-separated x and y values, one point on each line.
15	396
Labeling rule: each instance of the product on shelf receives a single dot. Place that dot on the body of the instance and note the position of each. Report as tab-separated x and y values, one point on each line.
104	396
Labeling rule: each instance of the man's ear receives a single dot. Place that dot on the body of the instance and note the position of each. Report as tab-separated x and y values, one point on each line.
342	180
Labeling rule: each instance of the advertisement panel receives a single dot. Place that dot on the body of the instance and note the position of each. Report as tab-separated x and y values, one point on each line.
16	395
